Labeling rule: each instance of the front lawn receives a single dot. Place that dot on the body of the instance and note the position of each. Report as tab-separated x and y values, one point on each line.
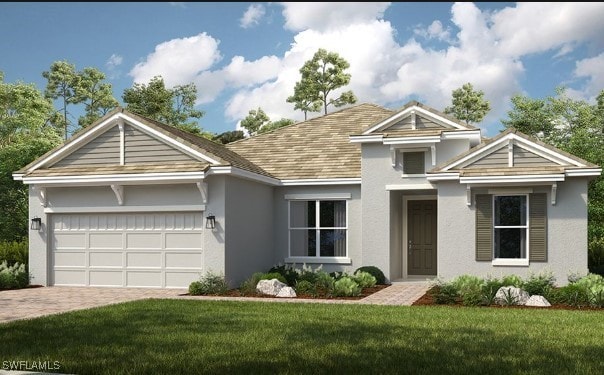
184	336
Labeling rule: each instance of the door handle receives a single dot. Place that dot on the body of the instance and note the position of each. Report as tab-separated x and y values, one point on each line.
410	247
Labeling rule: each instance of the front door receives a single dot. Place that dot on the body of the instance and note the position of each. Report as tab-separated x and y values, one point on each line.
421	237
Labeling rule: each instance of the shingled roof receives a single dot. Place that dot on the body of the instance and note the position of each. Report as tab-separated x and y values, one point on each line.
314	149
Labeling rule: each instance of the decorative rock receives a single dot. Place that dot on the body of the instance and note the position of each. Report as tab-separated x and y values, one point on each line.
509	292
270	287
538	301
287	292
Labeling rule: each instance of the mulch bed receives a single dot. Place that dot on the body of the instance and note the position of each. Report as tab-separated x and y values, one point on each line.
428	300
364	293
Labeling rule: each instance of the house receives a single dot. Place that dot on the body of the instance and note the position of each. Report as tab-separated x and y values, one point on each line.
133	202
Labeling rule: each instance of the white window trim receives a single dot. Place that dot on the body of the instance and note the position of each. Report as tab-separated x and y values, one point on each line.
317	258
511	261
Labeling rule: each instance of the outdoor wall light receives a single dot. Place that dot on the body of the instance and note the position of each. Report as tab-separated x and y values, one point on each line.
210	221
36	223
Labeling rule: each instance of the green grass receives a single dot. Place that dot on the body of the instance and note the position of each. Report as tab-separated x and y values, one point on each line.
168	336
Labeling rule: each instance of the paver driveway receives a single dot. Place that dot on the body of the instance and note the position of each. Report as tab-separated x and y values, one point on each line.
35	302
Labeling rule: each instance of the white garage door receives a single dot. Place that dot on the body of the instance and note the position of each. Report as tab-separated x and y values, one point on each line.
161	250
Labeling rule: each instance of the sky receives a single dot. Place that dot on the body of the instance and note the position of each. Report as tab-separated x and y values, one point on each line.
242	56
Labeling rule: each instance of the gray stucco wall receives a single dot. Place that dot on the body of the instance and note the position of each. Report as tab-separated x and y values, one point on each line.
91	197
566	233
382	209
354	224
249	237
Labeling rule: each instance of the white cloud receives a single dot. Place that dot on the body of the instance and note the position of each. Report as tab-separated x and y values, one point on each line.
537	27
323	16
434	31
593	70
178	61
114	61
252	16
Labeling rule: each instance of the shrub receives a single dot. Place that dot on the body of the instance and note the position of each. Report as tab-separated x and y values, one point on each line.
346	287
375	272
364	279
324	283
14	252
210	284
305	287
445	293
593	285
573	294
489	290
595	255
539	284
13	277
248	287
512	280
469	287
289	273
273	275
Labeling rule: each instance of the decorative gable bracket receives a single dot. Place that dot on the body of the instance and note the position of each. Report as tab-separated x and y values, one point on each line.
118	190
203	190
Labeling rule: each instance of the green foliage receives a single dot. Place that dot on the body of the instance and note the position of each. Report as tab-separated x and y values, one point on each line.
512	280
540	284
305	287
346	287
593	285
255	119
489	290
175	106
96	95
364	279
321	75
248	287
13	277
62	82
375	272
289	273
275	125
469	105
13	252
324	283
229	136
509	299
573	294
210	284
444	293
595	255
273	275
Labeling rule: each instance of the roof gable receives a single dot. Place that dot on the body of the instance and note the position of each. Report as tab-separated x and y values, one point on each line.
416	117
513	149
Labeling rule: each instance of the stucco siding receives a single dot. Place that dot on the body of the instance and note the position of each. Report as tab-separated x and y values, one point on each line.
38	257
566	233
280	223
249	223
103	150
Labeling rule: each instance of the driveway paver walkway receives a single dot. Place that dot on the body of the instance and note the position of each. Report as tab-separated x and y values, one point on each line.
35	302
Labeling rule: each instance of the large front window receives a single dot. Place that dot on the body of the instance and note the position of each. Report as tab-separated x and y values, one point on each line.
510	224
317	228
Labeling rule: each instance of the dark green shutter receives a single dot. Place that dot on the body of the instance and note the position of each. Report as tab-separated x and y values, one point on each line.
413	163
538	227
484	227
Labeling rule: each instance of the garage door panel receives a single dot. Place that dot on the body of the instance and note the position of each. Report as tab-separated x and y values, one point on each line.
143	241
180	279
183	260
106	241
143	260
70	277
106	259
183	241
105	278
127	249
69	241
143	278
69	259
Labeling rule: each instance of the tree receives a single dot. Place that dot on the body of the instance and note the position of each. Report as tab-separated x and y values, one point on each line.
25	134
321	75
62	83
275	125
172	106
96	95
255	119
229	136
469	105
574	126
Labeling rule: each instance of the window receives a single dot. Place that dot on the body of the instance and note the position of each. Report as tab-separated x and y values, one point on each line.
510	226
413	163
317	228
